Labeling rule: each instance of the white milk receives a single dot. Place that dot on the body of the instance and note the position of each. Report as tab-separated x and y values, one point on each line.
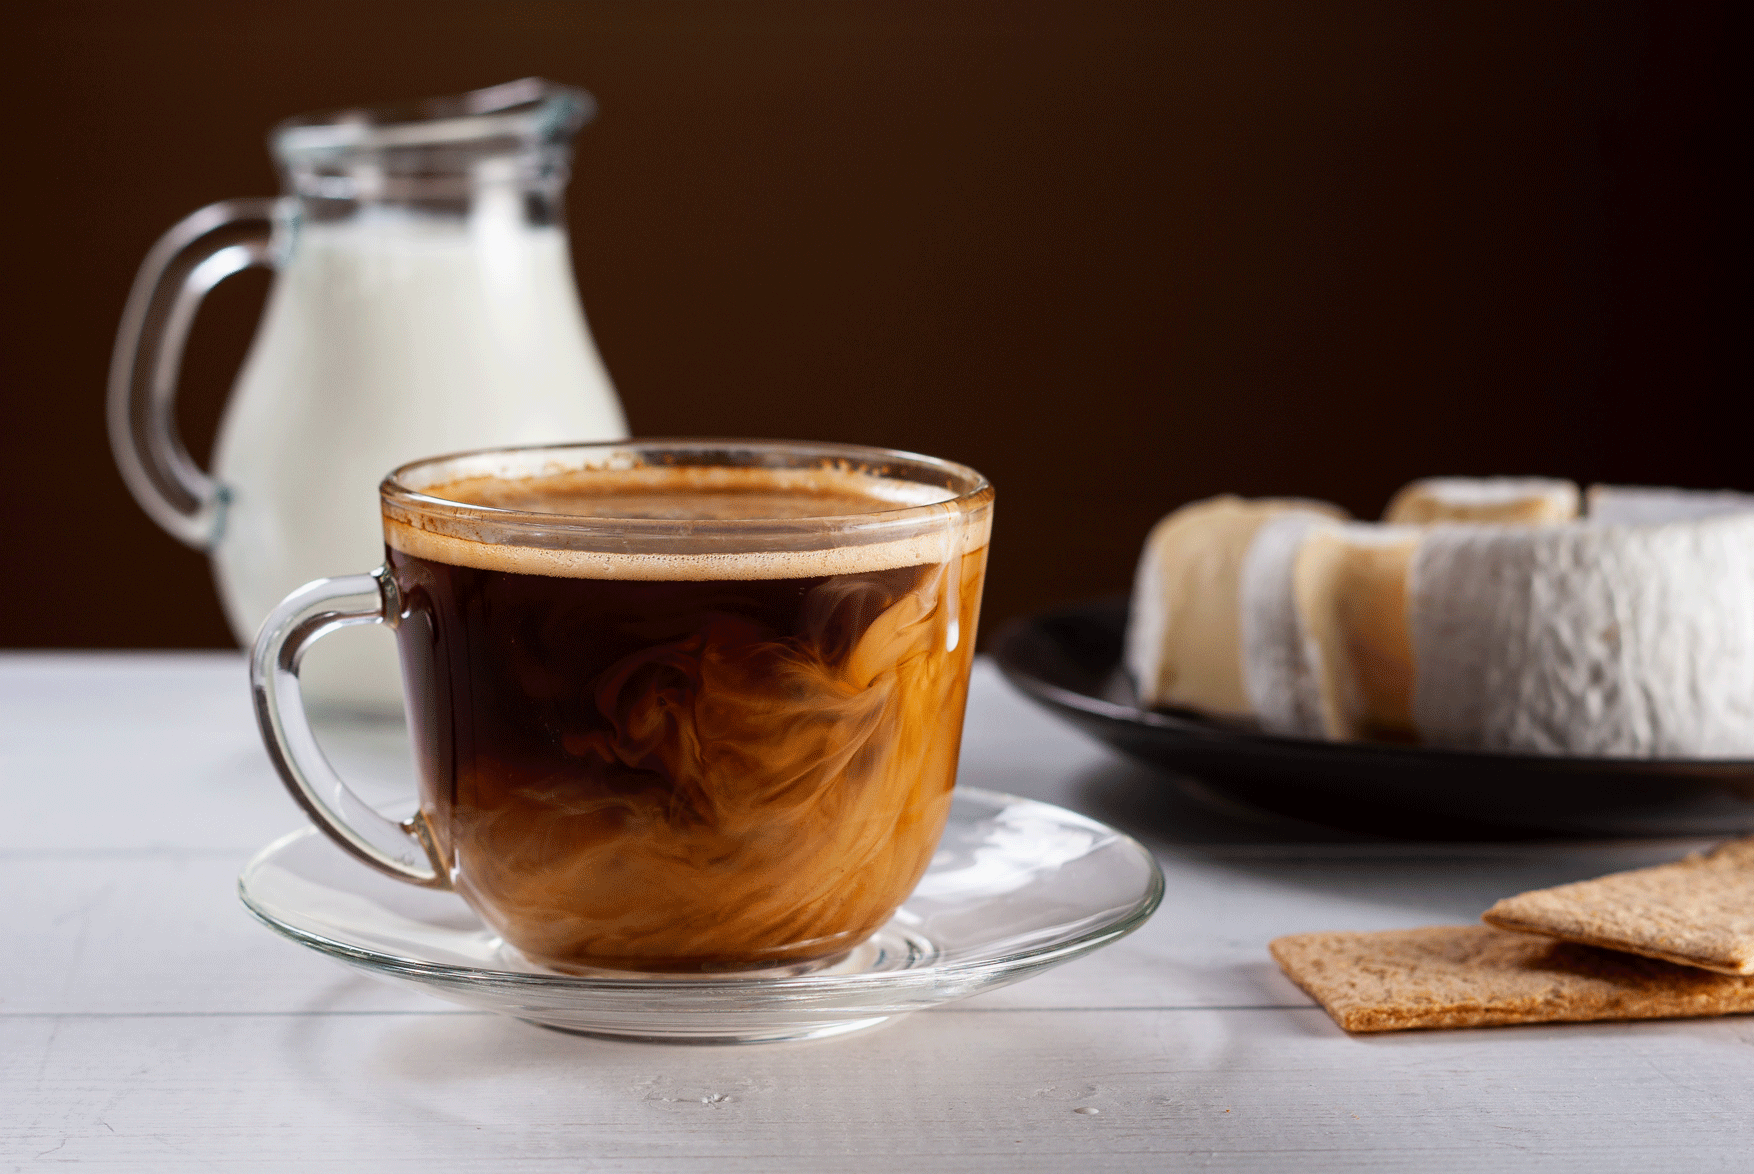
387	338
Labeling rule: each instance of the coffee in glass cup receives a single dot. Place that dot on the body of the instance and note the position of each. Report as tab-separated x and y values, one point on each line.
676	706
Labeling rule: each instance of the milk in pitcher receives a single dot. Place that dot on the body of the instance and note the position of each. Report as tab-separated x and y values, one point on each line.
387	339
423	303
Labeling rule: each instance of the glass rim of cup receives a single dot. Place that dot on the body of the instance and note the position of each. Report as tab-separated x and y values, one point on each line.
957	492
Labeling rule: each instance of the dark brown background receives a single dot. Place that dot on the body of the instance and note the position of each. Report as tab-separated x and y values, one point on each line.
1115	255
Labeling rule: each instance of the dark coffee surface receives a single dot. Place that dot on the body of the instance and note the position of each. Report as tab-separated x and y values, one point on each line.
655	774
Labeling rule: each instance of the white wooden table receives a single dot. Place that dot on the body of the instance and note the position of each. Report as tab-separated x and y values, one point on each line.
147	1023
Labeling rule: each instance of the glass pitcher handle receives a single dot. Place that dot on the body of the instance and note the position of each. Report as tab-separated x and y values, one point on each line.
173	279
406	850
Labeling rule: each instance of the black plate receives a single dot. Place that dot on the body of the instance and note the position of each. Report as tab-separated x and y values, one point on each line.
1069	661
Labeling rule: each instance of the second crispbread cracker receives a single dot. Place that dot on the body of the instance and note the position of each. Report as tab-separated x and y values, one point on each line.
1477	976
1698	911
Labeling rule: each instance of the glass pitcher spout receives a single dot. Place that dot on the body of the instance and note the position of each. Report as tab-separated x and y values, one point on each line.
437	150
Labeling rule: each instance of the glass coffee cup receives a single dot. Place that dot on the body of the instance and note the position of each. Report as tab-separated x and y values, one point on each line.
676	706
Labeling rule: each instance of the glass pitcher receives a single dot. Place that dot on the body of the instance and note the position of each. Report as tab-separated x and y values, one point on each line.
423	303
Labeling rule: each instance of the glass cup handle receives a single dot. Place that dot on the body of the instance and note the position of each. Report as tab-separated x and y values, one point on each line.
406	850
173	279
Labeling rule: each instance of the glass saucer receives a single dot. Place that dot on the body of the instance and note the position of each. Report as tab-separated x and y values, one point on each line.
1016	887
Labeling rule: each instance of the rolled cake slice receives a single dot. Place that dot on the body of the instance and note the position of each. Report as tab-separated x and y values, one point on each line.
1351	585
1537	500
1183	643
1602	640
1327	652
1280	672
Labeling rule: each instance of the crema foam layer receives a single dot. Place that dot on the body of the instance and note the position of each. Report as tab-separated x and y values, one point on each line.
685	495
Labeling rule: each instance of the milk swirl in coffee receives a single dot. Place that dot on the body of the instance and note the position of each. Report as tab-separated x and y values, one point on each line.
684	761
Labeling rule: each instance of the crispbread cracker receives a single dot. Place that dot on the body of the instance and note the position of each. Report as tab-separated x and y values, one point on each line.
1476	976
1698	911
